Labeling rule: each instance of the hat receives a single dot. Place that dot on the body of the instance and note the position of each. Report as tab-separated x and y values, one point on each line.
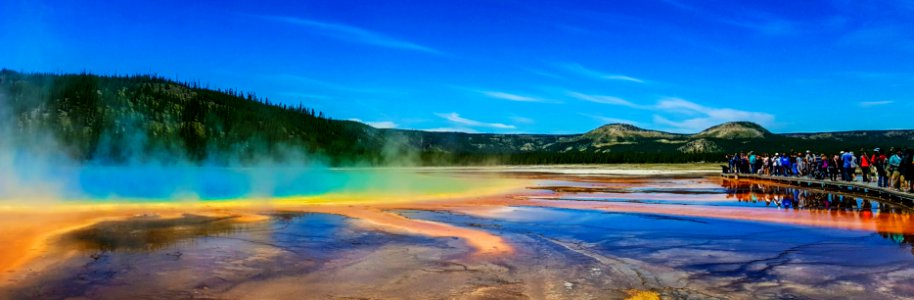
877	150
807	151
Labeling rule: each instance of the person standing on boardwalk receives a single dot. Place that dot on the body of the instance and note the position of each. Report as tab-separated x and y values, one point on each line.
879	160
811	162
822	163
833	167
864	165
752	159
907	166
848	162
841	165
785	165
894	164
793	164
801	165
776	164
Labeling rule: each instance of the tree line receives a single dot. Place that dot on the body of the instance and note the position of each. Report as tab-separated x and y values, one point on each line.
117	119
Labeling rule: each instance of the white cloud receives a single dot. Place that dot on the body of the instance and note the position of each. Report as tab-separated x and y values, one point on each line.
522	120
680	115
451	129
581	70
623	78
875	103
377	124
702	117
603	99
456	118
679	106
382	124
514	97
351	34
747	18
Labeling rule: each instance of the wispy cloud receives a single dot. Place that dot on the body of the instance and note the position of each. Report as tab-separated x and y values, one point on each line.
623	78
377	124
755	20
350	33
885	34
679	106
457	119
677	114
875	103
515	97
584	71
603	99
545	74
451	129
701	117
522	120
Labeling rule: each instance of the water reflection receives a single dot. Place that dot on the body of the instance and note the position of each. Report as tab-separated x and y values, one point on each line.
888	217
767	194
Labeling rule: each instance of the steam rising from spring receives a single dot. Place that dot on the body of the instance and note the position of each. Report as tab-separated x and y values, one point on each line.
35	167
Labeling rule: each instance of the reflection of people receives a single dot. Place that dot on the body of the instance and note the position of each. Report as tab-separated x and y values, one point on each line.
786	203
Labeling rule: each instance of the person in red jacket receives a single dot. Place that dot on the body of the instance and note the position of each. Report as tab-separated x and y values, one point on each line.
879	160
865	165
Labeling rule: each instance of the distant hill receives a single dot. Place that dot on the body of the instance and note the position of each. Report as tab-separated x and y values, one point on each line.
118	119
735	130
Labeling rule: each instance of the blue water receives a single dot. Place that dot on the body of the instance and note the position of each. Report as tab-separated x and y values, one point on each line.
166	183
712	247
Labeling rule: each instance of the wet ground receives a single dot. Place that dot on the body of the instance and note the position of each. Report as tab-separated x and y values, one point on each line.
565	237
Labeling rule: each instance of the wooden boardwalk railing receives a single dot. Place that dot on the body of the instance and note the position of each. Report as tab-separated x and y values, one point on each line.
859	188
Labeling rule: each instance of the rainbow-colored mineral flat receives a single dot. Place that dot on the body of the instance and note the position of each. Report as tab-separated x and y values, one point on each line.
474	233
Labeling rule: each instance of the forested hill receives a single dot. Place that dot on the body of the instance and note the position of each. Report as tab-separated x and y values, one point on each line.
117	119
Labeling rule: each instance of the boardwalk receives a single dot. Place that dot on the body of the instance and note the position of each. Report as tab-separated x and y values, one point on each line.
854	188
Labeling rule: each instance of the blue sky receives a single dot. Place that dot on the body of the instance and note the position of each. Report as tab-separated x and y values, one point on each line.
504	66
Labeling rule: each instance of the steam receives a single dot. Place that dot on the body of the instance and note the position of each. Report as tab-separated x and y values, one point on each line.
36	167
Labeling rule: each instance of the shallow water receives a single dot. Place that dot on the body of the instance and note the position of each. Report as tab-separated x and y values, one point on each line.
591	237
158	183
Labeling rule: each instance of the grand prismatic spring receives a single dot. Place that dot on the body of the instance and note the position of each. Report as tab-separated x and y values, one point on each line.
444	233
481	149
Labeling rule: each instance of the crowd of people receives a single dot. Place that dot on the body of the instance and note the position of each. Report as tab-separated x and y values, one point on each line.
889	169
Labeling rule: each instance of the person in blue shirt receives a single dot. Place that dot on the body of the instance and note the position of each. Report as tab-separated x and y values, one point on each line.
752	159
849	171
893	171
785	165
